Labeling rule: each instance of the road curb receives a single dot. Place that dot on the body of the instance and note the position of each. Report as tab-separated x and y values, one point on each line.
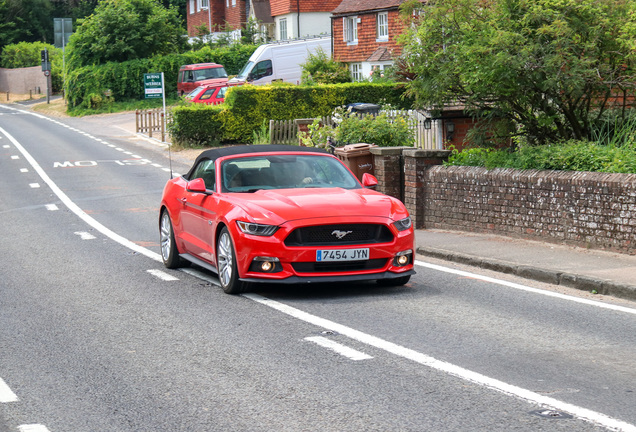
570	280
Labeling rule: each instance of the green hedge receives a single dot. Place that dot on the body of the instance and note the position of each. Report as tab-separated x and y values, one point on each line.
86	86
248	106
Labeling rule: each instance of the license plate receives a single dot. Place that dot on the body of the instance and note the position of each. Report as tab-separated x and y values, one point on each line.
342	254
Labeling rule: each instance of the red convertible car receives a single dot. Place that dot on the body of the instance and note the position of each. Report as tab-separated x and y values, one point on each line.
283	214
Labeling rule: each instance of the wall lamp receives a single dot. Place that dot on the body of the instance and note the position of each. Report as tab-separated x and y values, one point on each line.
450	130
427	123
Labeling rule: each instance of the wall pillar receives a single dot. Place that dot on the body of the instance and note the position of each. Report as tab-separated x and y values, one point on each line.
416	163
388	165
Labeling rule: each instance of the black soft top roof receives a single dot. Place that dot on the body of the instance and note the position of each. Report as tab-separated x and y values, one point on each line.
216	153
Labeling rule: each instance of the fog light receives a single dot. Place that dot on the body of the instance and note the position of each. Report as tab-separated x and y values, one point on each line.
403	258
266	266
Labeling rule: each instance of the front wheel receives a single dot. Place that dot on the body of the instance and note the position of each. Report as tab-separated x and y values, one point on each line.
169	252
226	264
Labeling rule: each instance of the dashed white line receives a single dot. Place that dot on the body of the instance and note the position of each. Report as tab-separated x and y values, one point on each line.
15	157
162	275
34	185
24	170
33	428
343	350
51	207
6	395
84	235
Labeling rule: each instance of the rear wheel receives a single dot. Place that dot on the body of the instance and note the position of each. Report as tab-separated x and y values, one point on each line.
169	252
403	280
226	264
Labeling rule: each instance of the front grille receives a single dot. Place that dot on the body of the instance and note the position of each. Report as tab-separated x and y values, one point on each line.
339	266
327	235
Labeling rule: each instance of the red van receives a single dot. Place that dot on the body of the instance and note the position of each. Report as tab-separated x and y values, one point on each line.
195	75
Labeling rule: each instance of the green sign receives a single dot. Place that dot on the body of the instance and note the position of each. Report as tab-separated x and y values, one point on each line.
153	85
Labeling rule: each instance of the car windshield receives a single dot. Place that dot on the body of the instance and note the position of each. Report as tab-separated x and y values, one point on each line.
252	173
246	70
194	93
211	73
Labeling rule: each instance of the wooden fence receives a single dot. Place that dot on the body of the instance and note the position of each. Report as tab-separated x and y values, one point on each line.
426	131
152	121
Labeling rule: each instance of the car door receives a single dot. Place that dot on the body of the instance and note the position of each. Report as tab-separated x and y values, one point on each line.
198	214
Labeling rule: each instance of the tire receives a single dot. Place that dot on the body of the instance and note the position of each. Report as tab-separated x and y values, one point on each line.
394	282
226	264
169	251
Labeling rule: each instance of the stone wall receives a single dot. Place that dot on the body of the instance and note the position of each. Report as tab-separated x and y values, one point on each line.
583	209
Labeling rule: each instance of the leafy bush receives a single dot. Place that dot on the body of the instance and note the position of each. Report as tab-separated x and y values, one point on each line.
569	156
196	125
320	68
247	107
125	79
382	130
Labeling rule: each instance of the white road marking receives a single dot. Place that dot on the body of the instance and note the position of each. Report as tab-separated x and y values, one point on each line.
51	207
6	146
85	236
350	353
33	428
15	157
6	395
448	368
34	185
527	288
162	275
24	170
76	209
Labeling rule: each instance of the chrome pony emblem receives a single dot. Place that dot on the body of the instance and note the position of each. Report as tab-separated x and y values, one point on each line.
340	234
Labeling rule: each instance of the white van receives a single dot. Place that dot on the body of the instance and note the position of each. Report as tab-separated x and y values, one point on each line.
280	61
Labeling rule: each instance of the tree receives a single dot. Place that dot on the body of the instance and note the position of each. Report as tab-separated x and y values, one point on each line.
121	30
25	21
552	67
320	68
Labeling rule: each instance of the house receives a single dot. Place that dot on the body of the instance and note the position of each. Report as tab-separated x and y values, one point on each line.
364	35
293	19
216	16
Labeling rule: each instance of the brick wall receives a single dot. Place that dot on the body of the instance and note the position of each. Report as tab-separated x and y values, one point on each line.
577	208
584	209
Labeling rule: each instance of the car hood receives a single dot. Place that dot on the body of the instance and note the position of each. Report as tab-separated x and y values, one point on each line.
281	205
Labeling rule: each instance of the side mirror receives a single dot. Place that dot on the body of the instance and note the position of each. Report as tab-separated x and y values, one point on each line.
197	185
369	180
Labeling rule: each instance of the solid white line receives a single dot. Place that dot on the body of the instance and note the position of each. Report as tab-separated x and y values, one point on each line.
6	395
76	209
448	368
350	353
162	275
33	428
527	288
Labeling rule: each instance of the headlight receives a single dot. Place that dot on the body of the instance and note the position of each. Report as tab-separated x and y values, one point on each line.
403	224
256	229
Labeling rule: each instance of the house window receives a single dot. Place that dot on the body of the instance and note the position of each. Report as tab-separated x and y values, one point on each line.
191	6
350	29
205	4
383	26
356	71
283	28
233	3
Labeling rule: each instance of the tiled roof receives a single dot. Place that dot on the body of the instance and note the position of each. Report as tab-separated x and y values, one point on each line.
262	11
381	54
350	6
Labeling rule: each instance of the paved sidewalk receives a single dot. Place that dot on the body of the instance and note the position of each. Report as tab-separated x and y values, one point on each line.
607	273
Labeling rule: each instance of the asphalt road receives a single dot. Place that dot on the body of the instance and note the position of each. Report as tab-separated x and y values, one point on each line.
95	335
